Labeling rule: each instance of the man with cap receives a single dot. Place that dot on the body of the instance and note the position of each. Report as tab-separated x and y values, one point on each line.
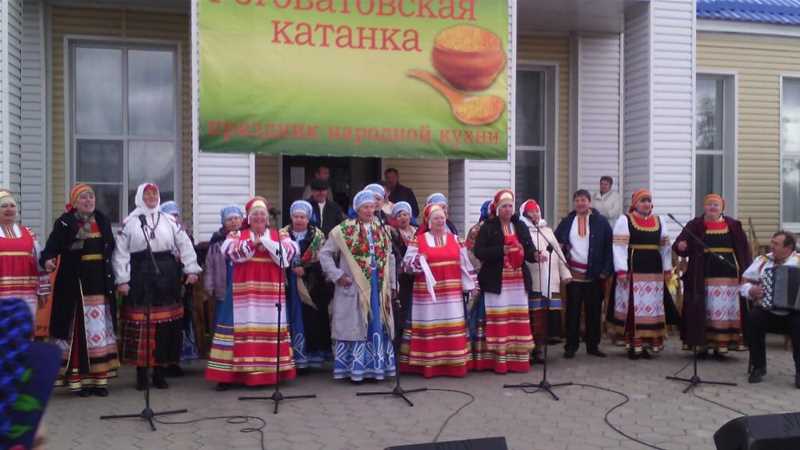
322	173
326	213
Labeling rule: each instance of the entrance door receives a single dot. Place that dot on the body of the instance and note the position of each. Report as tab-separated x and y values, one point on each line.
348	176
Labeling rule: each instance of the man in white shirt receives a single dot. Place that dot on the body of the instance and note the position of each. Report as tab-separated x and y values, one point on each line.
763	316
607	202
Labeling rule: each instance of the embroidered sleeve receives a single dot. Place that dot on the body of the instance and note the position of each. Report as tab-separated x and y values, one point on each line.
411	258
621	239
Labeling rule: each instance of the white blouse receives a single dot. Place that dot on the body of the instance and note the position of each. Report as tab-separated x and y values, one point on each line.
621	241
168	237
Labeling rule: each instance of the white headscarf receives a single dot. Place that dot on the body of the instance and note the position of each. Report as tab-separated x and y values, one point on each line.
141	207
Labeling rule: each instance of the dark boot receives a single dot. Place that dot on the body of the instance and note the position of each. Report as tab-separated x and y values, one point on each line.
159	381
632	355
141	378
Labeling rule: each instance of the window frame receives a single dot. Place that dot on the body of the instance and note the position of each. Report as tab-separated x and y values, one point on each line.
549	130
729	150
71	44
790	226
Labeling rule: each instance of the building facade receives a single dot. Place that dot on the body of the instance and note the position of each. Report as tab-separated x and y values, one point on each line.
105	92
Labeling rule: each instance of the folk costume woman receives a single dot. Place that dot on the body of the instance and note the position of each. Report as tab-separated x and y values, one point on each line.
217	270
243	350
712	316
503	245
308	316
137	280
545	322
82	318
358	258
403	233
19	255
436	342
642	261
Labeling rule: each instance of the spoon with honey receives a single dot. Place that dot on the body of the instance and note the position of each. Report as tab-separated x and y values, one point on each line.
469	110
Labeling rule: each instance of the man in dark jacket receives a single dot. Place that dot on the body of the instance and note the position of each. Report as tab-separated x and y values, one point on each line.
327	214
396	192
586	238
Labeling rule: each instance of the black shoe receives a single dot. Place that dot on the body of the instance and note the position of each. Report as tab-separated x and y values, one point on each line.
797	381
159	382
569	354
536	358
141	378
757	375
221	387
632	355
100	392
646	355
173	370
720	356
596	352
85	392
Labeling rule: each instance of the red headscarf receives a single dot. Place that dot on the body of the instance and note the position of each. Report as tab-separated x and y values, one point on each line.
257	202
502	197
714	198
427	213
638	196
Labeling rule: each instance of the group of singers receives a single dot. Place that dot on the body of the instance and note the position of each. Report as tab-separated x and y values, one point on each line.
348	287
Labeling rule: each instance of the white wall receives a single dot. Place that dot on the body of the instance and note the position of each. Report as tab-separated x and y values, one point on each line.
637	136
597	149
33	141
673	107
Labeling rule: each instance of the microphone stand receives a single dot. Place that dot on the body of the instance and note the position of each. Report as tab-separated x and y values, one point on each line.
543	385
695	379
398	390
147	413
277	396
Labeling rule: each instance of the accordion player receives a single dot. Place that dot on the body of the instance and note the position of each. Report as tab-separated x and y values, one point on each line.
770	284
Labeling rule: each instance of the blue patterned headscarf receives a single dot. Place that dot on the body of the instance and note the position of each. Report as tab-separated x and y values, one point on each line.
377	189
301	206
230	211
362	198
485	210
171	208
437	198
401	207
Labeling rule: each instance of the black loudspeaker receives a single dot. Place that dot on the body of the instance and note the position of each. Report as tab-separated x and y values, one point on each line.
767	432
492	443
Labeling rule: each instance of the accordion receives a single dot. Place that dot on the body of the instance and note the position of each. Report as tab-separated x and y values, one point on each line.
781	288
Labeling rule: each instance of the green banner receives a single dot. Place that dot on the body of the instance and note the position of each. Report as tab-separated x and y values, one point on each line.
369	78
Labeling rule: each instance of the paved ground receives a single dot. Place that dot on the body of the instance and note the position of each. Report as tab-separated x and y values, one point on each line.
658	413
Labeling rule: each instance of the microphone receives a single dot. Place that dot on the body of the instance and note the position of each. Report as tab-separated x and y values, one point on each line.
705	246
142	220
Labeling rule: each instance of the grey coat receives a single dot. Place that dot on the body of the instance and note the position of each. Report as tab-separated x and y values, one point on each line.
347	323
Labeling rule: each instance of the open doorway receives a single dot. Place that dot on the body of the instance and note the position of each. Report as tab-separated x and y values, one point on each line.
347	177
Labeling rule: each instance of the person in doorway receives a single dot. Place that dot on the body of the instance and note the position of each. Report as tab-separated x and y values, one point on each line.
437	198
80	248
326	213
141	286
585	237
321	173
396	192
758	280
545	318
607	202
244	346
643	263
711	318
503	245
358	258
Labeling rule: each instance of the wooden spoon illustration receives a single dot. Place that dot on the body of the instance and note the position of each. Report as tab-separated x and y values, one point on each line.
469	110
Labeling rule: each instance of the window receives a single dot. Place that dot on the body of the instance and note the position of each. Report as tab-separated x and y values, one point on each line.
535	97
714	140
790	150
124	121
